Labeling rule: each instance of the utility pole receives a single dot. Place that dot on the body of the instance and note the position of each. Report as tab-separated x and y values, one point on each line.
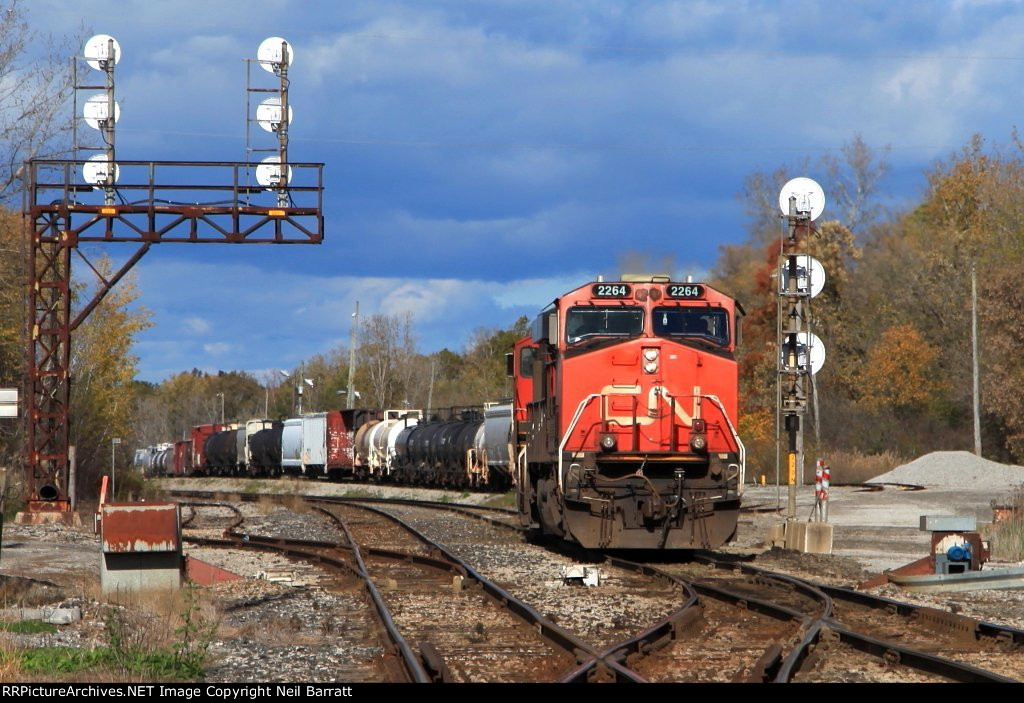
430	393
350	398
974	344
113	444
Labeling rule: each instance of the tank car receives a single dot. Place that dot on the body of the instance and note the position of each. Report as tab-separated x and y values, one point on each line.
625	416
265	450
440	452
291	446
497	453
221	452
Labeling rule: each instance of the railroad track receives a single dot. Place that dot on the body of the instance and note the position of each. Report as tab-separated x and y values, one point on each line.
739	622
839	646
362	625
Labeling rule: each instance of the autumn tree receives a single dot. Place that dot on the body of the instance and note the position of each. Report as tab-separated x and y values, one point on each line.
1002	312
102	373
898	373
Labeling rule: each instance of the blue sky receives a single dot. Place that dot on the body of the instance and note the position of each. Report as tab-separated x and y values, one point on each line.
482	157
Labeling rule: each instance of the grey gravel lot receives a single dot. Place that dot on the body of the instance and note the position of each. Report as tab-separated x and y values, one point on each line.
878	529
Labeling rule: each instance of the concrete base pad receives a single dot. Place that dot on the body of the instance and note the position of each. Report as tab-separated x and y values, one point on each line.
809	537
49	517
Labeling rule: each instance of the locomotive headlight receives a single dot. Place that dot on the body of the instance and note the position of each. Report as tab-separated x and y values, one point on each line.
650	360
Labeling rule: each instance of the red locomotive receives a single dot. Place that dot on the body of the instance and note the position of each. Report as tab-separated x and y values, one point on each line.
626	413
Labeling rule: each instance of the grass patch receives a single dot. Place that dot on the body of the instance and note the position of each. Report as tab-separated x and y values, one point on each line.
359	493
253	486
160	664
28	627
1007	536
504	500
139	646
133	486
849	468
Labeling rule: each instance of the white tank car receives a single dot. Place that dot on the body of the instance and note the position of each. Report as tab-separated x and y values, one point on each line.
381	438
291	446
499	444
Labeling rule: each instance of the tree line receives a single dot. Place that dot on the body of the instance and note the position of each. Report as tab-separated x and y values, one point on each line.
895	315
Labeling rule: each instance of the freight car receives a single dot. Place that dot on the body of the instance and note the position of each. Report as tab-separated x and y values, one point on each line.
467	448
625	416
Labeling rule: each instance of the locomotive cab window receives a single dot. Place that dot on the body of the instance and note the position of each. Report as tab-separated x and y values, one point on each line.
585	322
711	324
526	357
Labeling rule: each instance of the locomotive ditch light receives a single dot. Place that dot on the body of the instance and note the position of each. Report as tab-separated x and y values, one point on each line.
699	443
608	442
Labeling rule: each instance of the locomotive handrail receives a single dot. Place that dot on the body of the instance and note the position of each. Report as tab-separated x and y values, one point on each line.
565	438
735	435
741	450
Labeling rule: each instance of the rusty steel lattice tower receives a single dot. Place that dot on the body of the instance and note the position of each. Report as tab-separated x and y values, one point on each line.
70	202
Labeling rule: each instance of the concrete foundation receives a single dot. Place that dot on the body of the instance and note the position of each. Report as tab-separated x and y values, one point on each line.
48	517
808	537
123	576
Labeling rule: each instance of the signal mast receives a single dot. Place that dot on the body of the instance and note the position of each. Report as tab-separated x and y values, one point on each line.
801	353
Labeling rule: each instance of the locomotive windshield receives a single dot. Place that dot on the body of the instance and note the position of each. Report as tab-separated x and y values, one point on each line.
711	324
582	323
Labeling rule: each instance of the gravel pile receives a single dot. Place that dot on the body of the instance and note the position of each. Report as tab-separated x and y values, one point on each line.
955	470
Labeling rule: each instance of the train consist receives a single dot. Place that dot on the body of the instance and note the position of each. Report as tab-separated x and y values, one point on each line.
469	448
625	415
621	433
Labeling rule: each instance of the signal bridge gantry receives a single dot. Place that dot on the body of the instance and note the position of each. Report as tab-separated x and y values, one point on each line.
101	200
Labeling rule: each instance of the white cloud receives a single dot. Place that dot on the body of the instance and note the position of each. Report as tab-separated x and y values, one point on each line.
196	325
217	348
